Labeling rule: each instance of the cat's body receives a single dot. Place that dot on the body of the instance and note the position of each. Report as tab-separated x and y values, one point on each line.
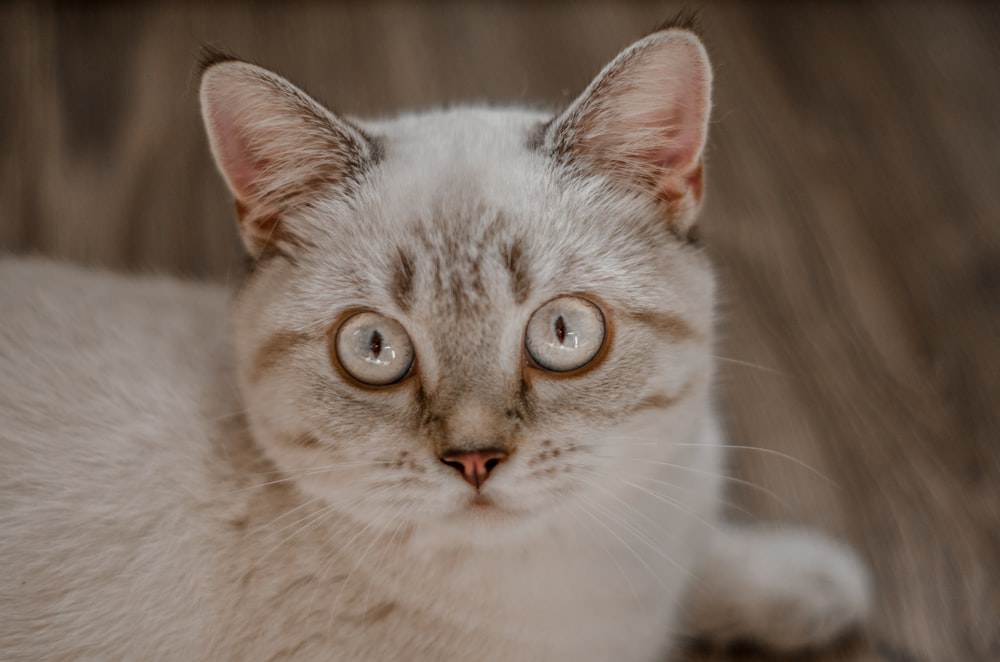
169	493
148	532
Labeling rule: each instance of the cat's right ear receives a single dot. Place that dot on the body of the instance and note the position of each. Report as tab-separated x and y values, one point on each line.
277	149
643	122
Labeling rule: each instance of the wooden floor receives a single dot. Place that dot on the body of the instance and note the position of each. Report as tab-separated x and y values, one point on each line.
854	214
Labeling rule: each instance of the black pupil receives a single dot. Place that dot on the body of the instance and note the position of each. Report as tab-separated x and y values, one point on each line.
375	344
560	329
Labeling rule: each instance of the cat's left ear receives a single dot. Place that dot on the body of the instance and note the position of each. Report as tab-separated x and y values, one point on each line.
643	122
277	149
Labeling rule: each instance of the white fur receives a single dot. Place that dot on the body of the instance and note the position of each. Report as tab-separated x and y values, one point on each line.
173	488
785	589
119	487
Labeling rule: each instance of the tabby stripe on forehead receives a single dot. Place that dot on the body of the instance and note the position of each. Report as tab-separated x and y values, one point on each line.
401	287
274	351
520	280
667	325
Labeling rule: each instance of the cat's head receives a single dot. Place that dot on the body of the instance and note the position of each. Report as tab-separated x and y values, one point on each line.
471	315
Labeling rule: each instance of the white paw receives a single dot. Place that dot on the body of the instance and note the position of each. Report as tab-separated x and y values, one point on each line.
784	589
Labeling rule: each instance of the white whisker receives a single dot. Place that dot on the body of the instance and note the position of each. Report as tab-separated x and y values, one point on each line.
710	474
770	451
666	483
668	500
614	560
360	560
625	544
748	364
294	474
388	545
617	498
633	529
266	525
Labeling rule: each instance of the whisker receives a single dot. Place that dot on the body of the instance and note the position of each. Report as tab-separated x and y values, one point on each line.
732	479
309	520
624	544
748	364
643	441
668	500
283	515
343	546
614	560
631	528
402	522
360	560
617	498
294	474
786	456
666	483
628	525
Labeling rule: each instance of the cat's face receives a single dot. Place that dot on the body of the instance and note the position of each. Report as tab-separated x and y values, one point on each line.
471	316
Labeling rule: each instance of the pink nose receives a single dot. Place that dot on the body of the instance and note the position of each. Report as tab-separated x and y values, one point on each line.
476	466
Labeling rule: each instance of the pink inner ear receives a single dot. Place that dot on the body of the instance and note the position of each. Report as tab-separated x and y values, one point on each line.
236	157
671	95
681	134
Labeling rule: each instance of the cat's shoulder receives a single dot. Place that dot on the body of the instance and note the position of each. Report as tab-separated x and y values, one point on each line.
87	351
113	419
40	288
48	305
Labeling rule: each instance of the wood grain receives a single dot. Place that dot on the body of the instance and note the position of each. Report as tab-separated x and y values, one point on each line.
853	214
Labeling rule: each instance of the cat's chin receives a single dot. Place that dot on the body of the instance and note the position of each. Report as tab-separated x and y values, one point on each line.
482	518
489	523
486	508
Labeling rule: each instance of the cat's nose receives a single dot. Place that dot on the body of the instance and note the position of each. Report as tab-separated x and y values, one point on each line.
475	466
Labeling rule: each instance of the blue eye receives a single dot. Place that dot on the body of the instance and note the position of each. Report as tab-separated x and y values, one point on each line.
373	349
565	334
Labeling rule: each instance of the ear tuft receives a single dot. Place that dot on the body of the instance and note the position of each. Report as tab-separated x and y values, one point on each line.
686	19
276	148
643	122
209	56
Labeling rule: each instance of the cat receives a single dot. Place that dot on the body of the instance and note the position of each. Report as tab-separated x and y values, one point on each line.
461	410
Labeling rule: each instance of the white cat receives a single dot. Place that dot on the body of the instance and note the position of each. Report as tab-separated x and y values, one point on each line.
461	410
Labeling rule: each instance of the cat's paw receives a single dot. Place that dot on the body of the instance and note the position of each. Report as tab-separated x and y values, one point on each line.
783	589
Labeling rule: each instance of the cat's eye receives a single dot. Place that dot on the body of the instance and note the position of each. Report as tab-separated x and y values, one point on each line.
373	349
565	334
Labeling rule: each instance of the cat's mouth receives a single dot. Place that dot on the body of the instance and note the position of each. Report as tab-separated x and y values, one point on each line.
480	500
482	505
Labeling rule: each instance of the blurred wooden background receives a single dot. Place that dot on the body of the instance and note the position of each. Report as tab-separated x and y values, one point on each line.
854	214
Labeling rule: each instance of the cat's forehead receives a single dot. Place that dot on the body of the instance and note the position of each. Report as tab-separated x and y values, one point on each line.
464	217
463	136
437	166
467	180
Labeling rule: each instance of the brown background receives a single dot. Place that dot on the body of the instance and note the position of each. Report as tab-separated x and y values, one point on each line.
853	214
